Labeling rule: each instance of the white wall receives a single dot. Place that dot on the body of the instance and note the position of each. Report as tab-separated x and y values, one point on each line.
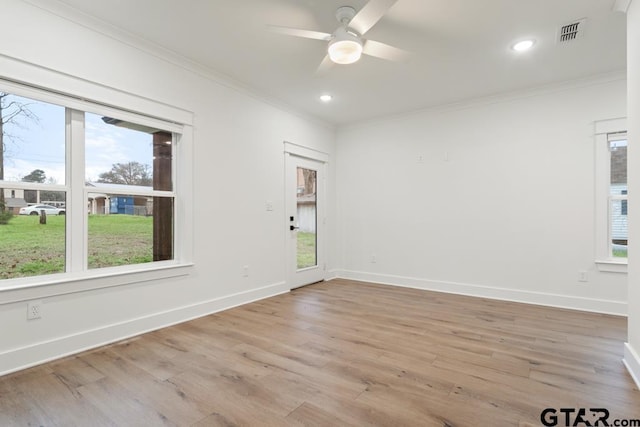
632	349
238	165
492	198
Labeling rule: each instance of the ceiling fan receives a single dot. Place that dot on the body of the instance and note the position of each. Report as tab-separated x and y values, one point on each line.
346	44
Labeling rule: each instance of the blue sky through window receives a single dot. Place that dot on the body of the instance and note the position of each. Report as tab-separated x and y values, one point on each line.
107	144
34	144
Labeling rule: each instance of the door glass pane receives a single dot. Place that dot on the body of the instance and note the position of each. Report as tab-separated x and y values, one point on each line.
618	197
307	218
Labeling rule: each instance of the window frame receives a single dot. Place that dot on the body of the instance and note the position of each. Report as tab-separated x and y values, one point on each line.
78	277
604	130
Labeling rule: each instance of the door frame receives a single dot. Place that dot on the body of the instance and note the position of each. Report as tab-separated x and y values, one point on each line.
296	278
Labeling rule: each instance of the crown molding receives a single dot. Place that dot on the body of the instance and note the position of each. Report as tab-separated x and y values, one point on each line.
621	5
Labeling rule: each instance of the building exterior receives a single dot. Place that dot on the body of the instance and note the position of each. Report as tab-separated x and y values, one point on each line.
103	203
14	200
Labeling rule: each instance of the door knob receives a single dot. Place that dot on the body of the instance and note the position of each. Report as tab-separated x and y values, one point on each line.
293	227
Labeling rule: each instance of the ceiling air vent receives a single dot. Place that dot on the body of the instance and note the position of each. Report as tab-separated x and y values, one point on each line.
571	31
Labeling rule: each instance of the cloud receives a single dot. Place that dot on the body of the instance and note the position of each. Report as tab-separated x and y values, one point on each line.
17	168
106	145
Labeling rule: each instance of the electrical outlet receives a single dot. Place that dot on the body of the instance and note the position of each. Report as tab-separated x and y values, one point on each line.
373	259
583	276
34	310
245	271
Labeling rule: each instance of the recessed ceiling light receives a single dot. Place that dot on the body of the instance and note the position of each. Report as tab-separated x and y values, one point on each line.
523	45
326	98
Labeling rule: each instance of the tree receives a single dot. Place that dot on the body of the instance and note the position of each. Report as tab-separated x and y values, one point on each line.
131	173
11	111
37	175
4	216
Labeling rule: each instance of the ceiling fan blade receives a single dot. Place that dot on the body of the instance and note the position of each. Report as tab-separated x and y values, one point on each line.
384	51
325	65
296	32
370	14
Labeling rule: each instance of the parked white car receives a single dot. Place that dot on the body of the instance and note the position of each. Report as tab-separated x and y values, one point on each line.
35	210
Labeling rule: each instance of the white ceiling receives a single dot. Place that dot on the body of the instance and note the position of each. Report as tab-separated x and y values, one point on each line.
460	48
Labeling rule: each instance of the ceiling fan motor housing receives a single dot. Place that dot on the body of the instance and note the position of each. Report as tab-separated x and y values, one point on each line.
345	14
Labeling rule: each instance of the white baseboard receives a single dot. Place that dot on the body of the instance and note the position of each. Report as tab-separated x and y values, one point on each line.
632	362
618	308
38	353
333	274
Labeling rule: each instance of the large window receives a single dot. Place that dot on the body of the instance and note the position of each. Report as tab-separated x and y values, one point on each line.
611	195
83	188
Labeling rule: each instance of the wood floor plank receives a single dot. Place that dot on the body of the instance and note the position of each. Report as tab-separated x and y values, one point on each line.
153	357
143	387
340	353
362	414
58	403
230	396
309	414
122	406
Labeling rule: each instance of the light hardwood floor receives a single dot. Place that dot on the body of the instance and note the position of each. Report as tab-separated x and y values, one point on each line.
340	353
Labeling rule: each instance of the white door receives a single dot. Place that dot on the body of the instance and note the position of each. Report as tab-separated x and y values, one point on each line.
305	221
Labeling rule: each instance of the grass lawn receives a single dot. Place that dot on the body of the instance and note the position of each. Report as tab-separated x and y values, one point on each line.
31	249
120	240
620	253
306	249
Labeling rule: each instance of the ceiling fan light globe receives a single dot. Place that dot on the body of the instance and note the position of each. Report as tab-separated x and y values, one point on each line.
345	48
345	51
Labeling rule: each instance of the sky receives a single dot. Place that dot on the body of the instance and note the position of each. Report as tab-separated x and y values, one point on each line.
41	144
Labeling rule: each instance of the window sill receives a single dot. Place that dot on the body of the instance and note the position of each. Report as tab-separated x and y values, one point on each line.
62	284
612	266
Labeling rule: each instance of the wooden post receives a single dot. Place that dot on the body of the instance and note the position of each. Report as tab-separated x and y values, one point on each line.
43	216
162	206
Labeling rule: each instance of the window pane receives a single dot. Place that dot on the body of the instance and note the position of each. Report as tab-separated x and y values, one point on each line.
618	191
32	244
32	149
618	228
307	218
127	228
135	230
33	140
121	153
618	163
